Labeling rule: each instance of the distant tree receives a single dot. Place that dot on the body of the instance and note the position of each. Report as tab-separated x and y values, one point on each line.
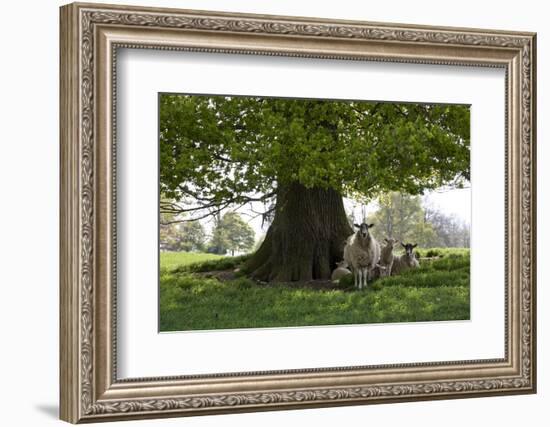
218	242
231	234
191	236
180	236
167	232
402	217
240	236
451	232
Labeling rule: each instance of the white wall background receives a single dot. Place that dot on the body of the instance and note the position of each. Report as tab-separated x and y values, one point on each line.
29	170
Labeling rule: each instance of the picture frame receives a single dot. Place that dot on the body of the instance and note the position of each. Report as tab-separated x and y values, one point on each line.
89	386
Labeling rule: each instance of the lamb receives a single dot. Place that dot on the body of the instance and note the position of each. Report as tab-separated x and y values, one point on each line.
406	261
362	252
387	257
340	271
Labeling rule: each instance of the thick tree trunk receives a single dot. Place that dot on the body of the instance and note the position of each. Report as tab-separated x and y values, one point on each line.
306	238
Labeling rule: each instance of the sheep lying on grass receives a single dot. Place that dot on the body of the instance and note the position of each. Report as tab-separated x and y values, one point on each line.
362	253
340	271
387	257
406	261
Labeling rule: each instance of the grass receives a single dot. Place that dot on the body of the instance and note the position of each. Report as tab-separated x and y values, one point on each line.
439	290
439	252
212	264
171	260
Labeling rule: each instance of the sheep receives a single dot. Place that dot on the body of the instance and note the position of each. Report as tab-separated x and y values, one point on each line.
378	271
340	271
387	257
362	252
406	261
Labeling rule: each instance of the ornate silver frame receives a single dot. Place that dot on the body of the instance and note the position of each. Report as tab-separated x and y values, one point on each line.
90	35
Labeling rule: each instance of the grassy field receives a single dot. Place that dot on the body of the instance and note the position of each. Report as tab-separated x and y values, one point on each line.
194	297
171	260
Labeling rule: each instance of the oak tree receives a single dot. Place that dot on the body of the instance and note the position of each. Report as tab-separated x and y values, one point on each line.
298	158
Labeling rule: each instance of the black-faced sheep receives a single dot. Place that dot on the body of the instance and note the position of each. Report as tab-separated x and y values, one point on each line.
406	261
362	253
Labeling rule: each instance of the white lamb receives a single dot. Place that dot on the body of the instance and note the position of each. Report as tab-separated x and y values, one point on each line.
406	261
340	271
362	252
387	257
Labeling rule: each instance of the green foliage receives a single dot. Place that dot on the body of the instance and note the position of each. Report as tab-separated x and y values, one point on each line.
176	235
402	217
439	290
222	150
232	234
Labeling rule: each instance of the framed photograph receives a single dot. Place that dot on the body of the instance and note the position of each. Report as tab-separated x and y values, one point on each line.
266	212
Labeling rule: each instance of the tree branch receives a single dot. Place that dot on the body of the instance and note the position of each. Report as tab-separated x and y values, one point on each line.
215	207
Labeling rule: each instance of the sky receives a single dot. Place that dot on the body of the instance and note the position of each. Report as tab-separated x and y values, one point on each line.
455	202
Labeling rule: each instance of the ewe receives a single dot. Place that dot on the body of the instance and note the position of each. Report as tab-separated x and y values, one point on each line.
340	271
406	261
362	252
387	257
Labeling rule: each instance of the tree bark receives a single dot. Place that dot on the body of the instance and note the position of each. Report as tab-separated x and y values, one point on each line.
306	238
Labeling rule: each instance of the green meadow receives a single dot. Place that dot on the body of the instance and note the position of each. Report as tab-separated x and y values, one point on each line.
204	291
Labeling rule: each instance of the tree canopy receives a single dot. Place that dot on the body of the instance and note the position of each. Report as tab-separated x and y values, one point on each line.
222	151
